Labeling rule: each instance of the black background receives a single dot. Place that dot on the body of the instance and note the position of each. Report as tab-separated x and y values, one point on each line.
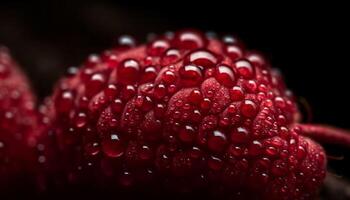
309	43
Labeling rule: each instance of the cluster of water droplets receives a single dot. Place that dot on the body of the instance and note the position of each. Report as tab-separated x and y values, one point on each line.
189	110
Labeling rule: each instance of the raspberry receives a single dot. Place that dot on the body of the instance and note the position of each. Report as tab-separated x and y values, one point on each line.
185	112
18	124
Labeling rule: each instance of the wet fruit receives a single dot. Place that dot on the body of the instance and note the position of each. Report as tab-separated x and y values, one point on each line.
18	124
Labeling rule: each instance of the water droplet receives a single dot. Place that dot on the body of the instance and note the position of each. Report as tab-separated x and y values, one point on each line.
95	84
111	91
256	59
80	120
113	146
149	74
170	57
92	148
215	163
145	153
65	101
235	151
195	97
128	71
196	116
169	77
250	86
271	151
157	47
159	91
126	42
126	179
128	92
117	106
202	58
301	153
92	61
159	111
217	141
187	134
236	93
229	39
280	102
255	148
240	135
249	108
195	152
244	69
225	75
233	51
189	39
190	75
205	104
172	89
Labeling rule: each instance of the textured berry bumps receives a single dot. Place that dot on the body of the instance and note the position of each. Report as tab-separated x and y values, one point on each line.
18	122
185	112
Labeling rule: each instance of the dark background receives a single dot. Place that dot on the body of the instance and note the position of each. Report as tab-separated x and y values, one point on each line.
308	42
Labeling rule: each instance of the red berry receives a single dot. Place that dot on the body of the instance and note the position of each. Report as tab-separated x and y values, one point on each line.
188	111
19	126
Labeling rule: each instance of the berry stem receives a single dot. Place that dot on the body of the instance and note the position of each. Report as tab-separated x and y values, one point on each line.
326	134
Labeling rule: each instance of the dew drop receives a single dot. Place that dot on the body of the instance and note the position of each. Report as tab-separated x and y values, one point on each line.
92	61
157	47
113	146
244	69
225	75
256	59
255	148
128	92
217	141
202	58
126	179
128	71
95	84
236	93
169	77
233	51
215	163
111	91
149	74
145	153
159	111
205	104
249	108
92	149
170	57
117	106
125	42
65	101
190	75
189	39
239	135
187	134
301	153
195	97
80	120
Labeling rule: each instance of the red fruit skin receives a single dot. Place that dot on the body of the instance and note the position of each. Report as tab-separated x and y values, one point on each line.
19	125
206	116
